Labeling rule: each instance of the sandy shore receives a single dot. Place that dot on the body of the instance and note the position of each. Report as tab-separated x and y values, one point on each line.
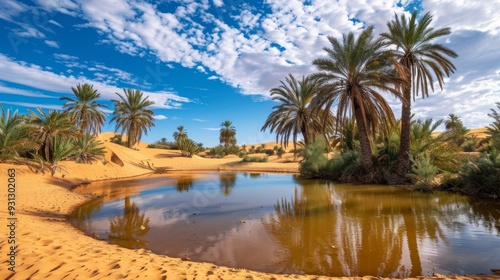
48	247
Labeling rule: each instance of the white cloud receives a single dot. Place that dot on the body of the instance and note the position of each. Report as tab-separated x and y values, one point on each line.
53	44
62	56
33	105
36	77
10	9
201	69
284	41
218	3
22	92
160	117
63	6
465	15
55	23
199	120
211	128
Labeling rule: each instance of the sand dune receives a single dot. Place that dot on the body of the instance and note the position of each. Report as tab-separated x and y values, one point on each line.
50	248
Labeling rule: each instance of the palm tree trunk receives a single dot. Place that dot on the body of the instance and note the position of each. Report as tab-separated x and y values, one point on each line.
403	162
364	141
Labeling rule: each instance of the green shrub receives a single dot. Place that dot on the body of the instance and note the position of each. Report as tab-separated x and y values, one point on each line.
269	152
188	147
254	159
217	151
345	167
117	139
424	172
315	161
232	150
478	177
280	152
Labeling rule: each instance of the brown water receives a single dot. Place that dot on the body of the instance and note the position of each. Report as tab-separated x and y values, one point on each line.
280	223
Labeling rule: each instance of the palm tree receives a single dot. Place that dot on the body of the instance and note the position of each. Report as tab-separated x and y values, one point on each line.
47	126
181	133
355	70
88	149
493	130
84	110
295	113
453	122
227	133
133	115
63	149
14	136
421	60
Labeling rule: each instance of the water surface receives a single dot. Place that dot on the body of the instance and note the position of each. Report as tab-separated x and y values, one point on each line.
282	224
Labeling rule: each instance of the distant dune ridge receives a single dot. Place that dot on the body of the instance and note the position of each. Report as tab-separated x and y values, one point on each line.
50	248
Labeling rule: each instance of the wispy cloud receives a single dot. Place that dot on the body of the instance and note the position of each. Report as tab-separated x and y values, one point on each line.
51	21
160	117
211	128
33	105
36	77
53	44
10	9
199	120
22	92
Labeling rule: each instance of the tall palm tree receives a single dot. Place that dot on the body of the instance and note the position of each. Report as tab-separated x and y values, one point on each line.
47	126
421	60
227	133
181	133
133	115
84	110
295	113
355	70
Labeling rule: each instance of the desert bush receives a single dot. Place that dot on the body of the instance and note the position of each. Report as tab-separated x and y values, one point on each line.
280	152
478	177
424	172
269	152
315	161
254	159
188	147
217	151
345	166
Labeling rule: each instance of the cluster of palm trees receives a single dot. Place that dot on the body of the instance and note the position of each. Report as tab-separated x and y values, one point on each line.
403	62
49	137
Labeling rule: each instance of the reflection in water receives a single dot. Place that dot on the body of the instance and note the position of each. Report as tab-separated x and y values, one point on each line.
359	230
81	217
126	229
227	182
184	183
284	224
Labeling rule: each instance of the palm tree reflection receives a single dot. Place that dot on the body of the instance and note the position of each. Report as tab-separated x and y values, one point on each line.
185	183
127	229
82	216
226	182
354	231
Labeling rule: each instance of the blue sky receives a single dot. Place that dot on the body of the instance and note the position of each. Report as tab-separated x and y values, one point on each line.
206	61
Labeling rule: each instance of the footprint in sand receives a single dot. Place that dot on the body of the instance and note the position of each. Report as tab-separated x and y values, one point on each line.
47	242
